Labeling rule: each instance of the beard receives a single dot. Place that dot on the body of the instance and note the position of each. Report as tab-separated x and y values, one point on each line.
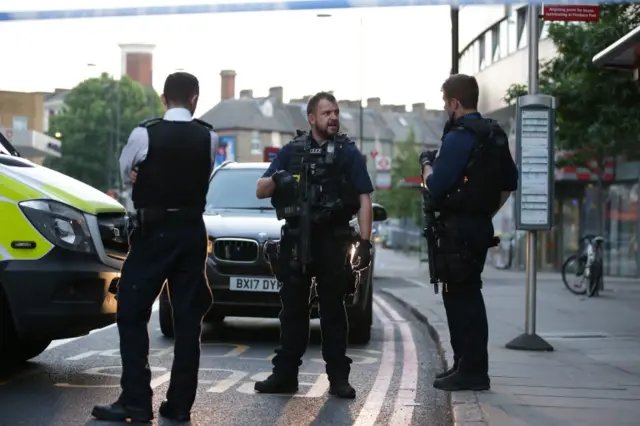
329	131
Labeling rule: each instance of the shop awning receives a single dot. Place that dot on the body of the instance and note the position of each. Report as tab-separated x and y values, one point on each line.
624	54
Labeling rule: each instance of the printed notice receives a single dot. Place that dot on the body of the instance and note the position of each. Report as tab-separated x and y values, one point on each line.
534	201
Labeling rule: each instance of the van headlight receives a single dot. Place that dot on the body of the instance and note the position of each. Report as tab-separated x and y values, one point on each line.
59	223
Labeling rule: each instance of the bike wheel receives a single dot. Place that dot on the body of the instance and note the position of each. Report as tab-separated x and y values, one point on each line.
572	268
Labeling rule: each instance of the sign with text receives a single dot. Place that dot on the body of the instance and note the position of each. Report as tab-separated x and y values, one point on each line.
270	154
535	160
577	13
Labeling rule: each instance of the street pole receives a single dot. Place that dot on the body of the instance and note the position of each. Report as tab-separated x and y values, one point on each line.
530	341
454	40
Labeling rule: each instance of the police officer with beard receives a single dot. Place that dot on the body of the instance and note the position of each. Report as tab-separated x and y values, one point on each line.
169	160
331	243
467	181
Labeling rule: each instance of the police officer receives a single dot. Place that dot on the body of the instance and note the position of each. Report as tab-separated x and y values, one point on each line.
467	181
169	161
329	248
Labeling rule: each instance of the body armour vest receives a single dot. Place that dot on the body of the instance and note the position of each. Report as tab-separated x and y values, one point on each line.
176	172
333	200
477	190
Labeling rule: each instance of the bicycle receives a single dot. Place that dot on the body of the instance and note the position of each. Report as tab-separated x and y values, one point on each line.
587	266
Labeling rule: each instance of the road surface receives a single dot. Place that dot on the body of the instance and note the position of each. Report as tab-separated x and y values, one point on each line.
392	374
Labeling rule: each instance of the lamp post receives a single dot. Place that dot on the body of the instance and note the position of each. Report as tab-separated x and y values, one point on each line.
361	109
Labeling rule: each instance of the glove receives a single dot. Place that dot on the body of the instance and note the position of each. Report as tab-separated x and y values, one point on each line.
427	158
283	179
363	255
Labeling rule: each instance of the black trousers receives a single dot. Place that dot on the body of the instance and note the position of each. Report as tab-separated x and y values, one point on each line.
328	253
468	329
174	251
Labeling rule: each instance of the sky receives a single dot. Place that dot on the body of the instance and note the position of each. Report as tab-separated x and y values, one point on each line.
401	55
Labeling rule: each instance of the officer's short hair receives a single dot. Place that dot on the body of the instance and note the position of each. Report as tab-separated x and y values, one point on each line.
464	88
312	105
180	87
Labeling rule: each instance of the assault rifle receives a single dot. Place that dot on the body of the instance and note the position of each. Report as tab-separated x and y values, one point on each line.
305	199
430	234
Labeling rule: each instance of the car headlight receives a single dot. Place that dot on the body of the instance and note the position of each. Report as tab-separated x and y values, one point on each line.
59	223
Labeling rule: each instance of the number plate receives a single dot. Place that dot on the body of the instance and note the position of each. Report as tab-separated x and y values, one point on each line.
259	284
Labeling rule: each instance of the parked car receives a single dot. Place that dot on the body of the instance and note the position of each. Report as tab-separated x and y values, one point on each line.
239	225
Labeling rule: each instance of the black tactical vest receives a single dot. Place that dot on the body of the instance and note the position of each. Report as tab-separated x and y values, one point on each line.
333	199
176	172
477	191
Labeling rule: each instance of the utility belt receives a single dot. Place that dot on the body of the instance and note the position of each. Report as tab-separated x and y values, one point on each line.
457	261
147	218
283	266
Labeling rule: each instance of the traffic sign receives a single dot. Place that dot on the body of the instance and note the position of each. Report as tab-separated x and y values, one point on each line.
373	153
270	154
383	164
566	13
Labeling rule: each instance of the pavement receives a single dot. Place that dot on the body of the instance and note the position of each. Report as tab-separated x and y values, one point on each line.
592	377
392	375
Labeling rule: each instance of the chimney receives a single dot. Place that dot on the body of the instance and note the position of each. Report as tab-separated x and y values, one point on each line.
344	104
246	94
227	84
354	104
276	93
137	62
373	103
400	108
418	108
306	98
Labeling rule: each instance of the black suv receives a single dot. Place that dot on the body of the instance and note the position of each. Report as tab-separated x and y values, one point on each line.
239	224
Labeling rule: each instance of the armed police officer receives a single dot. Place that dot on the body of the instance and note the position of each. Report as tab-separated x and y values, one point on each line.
466	182
317	183
169	160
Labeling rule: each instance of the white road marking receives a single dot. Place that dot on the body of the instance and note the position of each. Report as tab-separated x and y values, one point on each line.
61	342
403	410
377	395
82	356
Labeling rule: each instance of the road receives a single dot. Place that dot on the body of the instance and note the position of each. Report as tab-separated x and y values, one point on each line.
392	375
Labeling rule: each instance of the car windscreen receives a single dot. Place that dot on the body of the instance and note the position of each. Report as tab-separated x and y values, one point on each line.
236	189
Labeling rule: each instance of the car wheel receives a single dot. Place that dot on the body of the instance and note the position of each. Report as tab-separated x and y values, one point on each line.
166	317
13	349
360	324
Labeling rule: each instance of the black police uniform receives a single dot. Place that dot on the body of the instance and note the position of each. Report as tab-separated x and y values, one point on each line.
465	233
331	239
170	243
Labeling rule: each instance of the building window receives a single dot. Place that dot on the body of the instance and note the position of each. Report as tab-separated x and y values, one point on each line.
20	123
504	39
495	43
255	143
276	140
522	25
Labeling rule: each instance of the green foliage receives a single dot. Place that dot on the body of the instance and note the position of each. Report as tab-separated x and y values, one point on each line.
91	138
403	202
597	109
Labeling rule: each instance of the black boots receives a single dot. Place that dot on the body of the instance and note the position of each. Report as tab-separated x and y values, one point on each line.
120	412
458	381
280	383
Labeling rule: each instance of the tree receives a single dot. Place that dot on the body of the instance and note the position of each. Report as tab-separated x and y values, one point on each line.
597	109
91	137
403	202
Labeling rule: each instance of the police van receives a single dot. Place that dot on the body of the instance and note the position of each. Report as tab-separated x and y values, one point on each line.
62	245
